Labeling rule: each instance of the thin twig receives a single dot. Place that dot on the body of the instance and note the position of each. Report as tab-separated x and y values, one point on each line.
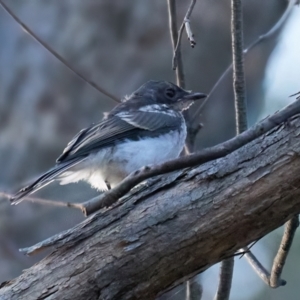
189	32
56	55
44	201
180	78
298	93
262	38
256	265
185	24
273	280
174	36
224	286
177	59
283	251
238	66
259	268
108	198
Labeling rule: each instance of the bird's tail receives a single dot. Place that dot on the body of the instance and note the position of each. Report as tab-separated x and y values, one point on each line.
43	180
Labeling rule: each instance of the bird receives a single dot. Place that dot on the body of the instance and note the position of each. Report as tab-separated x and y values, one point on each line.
146	128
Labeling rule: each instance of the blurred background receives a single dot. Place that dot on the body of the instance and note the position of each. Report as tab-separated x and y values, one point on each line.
120	45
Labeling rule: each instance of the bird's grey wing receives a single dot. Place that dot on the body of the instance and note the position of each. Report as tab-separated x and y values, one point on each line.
115	128
152	121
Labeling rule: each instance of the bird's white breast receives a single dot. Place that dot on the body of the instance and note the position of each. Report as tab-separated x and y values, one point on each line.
112	164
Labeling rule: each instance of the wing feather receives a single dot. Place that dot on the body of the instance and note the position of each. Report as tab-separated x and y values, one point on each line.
115	128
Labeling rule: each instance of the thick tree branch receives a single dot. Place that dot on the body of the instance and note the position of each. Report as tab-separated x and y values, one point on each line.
162	234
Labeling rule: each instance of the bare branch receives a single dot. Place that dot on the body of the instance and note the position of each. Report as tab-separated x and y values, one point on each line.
226	272
111	196
298	93
277	26
260	270
273	280
45	201
283	251
189	32
174	36
185	24
262	38
56	55
238	66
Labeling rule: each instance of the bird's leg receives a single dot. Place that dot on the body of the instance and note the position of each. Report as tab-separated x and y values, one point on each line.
108	185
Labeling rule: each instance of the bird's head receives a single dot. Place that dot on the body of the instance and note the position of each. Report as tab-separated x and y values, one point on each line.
166	93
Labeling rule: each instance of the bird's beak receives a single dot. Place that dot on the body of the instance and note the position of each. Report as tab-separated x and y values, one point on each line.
194	96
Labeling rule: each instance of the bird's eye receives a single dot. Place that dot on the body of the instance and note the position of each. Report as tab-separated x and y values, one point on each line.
170	93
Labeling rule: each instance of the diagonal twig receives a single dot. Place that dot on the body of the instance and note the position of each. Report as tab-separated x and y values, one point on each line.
185	24
273	279
44	201
262	38
296	94
283	251
259	269
56	55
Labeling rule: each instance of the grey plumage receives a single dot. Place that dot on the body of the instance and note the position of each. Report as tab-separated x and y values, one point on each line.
153	111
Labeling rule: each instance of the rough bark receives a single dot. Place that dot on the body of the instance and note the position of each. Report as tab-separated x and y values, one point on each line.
173	226
120	45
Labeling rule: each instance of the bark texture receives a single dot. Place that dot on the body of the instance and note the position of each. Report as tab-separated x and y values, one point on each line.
120	45
172	226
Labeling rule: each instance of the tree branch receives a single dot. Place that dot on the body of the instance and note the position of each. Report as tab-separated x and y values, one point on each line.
273	280
161	234
174	36
283	251
260	270
56	55
238	66
185	24
192	131
225	280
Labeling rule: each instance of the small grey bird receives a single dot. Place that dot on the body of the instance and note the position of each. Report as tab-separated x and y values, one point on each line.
146	128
